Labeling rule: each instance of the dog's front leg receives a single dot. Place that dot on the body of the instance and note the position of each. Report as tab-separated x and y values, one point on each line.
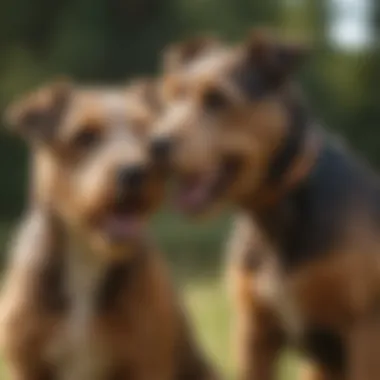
313	371
259	339
259	347
20	372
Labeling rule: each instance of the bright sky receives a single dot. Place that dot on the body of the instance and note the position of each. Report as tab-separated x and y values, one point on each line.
349	26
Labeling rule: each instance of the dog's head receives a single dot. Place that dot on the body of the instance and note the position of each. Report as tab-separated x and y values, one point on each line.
226	116
90	159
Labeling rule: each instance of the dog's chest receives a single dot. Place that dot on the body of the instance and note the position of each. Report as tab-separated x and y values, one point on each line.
77	349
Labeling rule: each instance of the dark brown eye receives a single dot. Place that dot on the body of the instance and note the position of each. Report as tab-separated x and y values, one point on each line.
86	139
214	100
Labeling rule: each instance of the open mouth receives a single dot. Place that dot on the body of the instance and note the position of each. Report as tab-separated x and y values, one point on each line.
125	222
198	191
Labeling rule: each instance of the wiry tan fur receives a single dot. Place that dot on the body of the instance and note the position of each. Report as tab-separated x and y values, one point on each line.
51	324
217	113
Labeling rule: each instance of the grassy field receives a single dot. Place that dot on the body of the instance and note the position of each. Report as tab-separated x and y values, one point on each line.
211	317
194	254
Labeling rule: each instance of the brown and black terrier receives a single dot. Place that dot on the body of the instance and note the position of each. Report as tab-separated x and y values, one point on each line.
307	266
86	294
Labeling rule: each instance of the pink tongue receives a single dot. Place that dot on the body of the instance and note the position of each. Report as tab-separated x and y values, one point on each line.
124	227
192	197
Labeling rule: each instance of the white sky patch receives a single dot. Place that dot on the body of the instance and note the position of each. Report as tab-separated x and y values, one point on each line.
350	23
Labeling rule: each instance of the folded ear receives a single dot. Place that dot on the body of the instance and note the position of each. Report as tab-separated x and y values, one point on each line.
276	58
37	115
178	55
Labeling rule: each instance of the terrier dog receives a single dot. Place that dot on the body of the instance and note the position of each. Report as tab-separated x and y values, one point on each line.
240	133
86	294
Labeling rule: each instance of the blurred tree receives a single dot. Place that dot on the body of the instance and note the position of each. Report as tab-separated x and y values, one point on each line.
111	40
365	125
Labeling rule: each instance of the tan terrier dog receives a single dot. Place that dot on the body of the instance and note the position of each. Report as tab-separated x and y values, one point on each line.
86	294
239	133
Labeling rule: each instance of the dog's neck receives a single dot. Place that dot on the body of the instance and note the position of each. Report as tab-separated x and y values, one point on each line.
292	161
73	274
280	212
85	270
295	143
275	206
311	215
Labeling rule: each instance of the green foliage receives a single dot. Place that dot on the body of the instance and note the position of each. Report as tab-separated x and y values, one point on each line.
112	40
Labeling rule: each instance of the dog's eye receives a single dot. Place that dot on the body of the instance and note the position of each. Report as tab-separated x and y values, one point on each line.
86	138
214	100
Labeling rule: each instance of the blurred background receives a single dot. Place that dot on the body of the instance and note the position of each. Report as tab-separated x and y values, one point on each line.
113	40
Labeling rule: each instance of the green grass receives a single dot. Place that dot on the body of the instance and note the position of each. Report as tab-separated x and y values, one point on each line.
207	304
211	316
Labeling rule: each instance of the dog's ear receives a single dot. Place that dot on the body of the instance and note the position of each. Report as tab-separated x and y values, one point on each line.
178	55
37	115
275	58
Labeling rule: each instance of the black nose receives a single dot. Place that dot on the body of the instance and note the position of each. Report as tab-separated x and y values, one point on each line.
161	148
131	177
